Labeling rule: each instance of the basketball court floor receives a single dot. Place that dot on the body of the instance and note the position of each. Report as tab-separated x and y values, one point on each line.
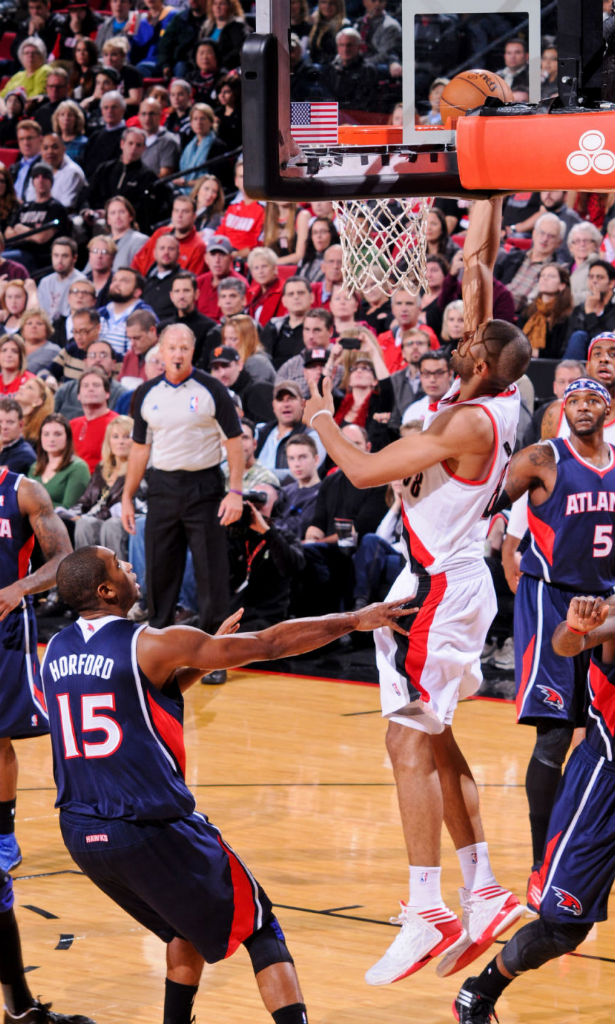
294	772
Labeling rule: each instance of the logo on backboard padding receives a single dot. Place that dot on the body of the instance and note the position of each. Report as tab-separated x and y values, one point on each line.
591	155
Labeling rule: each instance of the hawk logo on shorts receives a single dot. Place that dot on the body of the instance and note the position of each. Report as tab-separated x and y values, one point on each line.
552	697
567	901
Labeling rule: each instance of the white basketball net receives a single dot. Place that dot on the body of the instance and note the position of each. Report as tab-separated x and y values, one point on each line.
383	243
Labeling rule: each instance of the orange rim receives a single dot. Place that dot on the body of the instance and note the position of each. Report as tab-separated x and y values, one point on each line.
378	134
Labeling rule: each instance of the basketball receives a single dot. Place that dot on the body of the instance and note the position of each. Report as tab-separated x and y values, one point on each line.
470	89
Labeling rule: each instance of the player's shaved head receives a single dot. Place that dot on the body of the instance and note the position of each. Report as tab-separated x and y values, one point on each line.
508	351
79	576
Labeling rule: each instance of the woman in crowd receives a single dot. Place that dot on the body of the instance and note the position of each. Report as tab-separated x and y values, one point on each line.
285	231
14	110
8	198
327	20
545	321
15	299
97	519
13	371
208	196
228	111
375	308
62	473
225	24
204	74
436	269
435	95
321	234
115	55
81	71
79	22
300	23
32	55
99	268
204	145
583	243
105	79
36	401
122	225
239	332
452	325
436	233
344	306
68	121
368	400
264	296
36	330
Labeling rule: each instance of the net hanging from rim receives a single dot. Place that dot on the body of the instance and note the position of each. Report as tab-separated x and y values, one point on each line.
383	243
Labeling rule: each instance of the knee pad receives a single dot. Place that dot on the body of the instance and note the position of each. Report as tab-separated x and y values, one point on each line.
541	941
268	946
552	743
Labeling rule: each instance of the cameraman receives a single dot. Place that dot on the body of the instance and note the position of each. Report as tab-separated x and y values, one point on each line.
263	561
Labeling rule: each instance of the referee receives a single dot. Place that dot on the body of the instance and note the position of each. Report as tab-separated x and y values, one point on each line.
181	420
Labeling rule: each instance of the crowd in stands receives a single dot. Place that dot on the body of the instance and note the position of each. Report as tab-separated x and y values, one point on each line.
122	211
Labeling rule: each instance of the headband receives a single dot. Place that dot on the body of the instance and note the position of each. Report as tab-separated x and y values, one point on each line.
587	384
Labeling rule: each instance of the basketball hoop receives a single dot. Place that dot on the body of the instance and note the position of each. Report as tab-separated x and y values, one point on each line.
383	243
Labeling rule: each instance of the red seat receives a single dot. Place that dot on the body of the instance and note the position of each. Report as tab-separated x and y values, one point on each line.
286	270
459	239
8	156
6	41
517	243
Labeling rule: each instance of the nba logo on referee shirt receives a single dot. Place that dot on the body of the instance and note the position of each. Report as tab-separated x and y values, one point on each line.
194	403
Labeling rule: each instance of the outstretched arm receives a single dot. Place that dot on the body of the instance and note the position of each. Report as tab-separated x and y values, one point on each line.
532	469
53	538
479	255
161	652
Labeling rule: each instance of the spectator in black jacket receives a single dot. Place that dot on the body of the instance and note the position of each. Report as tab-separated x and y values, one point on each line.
183	295
104	145
126	177
349	79
177	44
16	453
160	276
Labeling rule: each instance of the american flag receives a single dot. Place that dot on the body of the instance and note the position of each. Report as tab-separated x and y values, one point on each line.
314	124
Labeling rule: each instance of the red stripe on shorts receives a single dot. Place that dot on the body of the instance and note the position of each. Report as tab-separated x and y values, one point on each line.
418	641
526	668
243	901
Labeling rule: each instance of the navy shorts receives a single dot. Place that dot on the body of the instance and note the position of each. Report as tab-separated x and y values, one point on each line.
548	686
579	865
22	703
177	878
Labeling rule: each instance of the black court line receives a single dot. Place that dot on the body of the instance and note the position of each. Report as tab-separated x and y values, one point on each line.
46	874
39	910
65	941
389	924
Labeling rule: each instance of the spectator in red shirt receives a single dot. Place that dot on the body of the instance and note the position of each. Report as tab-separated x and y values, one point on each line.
405	308
264	298
191	245
219	263
243	221
12	364
332	270
89	429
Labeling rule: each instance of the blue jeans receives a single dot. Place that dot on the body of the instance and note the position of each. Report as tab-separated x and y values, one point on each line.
376	566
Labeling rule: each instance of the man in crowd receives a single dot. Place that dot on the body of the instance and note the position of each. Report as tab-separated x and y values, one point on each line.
436	378
123	174
515	70
317	334
332	271
68	178
57	88
161	275
243	221
161	147
381	36
520	270
406	383
283	335
272	437
299	495
81	295
254	396
68	363
32	251
99	354
219	263
142	335
104	145
595	315
183	295
349	79
191	245
16	453
125	294
88	430
29	138
53	289
405	308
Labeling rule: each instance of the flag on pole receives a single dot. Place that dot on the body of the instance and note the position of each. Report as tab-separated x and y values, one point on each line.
314	124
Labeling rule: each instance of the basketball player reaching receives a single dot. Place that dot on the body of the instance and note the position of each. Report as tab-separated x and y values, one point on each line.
114	694
452	474
579	867
568	485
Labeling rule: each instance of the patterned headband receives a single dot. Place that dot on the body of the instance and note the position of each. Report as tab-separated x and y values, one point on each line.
587	384
605	336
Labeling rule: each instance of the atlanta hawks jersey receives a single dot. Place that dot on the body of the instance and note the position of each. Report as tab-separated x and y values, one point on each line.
111	728
563	429
22	705
446	517
601	713
572	531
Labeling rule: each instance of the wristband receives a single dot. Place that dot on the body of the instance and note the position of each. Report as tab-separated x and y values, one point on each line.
232	490
579	632
321	412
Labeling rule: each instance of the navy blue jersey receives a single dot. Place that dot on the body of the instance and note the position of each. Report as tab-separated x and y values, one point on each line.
601	713
118	748
16	537
572	531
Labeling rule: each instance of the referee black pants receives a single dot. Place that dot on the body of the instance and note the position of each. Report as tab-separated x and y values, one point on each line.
183	512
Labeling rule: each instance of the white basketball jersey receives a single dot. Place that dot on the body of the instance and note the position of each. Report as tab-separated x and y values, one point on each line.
445	517
563	429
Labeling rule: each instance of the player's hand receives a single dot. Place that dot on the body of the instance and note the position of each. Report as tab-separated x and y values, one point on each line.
385	613
230	508
230	624
586	613
10	597
512	571
128	514
316	402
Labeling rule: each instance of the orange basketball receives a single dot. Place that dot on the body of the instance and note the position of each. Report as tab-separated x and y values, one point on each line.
470	89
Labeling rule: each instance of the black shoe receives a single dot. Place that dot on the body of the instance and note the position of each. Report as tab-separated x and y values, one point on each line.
41	1013
215	678
472	1008
51	606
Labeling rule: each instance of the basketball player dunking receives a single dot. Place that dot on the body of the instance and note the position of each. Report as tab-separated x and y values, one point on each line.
452	473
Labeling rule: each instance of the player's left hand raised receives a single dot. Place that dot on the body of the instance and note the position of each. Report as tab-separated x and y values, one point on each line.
317	402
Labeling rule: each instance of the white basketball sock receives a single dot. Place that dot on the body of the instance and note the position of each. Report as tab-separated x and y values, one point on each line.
476	866
425	887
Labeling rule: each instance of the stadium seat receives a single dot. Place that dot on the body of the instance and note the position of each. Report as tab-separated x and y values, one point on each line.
8	156
6	41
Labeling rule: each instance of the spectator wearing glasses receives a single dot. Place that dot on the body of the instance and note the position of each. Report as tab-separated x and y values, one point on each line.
99	353
53	288
69	361
81	295
520	270
436	378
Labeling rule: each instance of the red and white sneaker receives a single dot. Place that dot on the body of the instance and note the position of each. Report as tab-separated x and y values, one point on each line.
424	935
486	914
534	893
